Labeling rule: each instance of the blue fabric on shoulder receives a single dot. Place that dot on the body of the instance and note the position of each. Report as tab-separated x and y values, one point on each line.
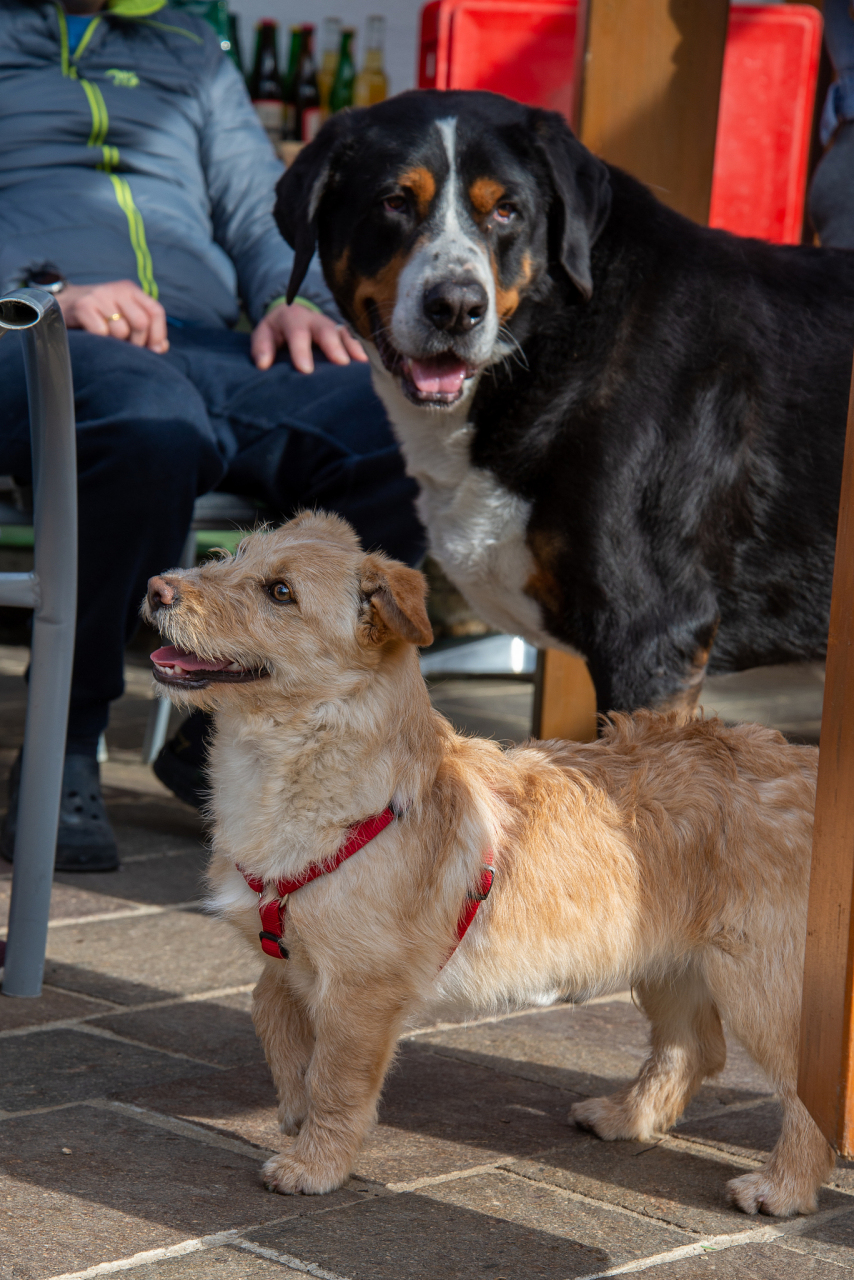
76	24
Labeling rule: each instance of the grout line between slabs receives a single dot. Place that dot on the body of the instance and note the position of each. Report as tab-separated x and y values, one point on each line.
65	1024
309	1268
141	909
619	997
718	1244
184	1128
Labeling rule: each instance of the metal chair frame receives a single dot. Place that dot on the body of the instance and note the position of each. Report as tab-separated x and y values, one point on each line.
51	591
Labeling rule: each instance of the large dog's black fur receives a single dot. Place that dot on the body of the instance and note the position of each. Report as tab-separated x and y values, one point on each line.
679	434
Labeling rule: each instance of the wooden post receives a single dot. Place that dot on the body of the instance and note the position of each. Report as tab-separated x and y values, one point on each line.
826	1078
649	103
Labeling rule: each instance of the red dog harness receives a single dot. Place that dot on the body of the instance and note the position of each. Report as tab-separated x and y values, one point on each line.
273	913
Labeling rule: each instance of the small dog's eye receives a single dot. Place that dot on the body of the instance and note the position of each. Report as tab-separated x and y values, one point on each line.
504	212
280	592
394	204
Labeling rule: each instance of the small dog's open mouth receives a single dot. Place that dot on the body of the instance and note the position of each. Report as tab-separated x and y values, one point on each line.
188	671
438	380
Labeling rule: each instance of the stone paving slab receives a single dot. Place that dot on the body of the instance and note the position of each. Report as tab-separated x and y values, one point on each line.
587	1050
751	1262
148	957
217	1030
49	1069
620	1237
226	1263
52	1006
110	1185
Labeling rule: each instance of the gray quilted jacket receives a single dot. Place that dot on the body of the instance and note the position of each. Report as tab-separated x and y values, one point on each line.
138	157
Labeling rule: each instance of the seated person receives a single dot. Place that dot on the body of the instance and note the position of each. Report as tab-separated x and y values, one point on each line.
831	197
136	180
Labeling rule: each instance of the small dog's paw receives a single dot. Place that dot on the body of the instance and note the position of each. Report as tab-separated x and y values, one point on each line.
759	1193
609	1119
291	1176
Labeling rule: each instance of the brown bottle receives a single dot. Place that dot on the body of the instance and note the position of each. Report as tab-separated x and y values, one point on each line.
307	92
265	87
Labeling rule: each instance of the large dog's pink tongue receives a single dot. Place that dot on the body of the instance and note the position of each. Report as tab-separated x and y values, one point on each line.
441	375
169	656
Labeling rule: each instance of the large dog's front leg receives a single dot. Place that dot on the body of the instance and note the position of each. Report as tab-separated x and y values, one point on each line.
283	1027
356	1030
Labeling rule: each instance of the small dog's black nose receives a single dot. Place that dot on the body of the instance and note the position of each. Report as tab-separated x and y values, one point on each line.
455	306
162	594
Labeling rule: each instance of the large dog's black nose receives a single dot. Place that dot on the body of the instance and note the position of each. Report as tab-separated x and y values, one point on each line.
455	306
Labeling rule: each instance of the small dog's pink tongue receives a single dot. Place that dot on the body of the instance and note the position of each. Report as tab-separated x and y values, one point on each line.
169	656
441	375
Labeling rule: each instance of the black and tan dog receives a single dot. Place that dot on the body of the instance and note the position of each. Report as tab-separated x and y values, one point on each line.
627	429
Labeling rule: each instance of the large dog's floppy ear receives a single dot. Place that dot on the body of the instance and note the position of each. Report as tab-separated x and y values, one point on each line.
395	596
583	191
299	192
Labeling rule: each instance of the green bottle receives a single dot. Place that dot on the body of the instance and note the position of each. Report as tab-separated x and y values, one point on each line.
345	74
234	42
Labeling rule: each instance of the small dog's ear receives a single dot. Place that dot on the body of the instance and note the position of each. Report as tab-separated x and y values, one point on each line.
396	597
583	196
300	190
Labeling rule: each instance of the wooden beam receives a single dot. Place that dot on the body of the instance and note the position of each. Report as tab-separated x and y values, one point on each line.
652	82
564	698
826	1078
649	103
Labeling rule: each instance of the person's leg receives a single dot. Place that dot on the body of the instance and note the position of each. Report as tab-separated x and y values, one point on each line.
305	440
145	450
831	196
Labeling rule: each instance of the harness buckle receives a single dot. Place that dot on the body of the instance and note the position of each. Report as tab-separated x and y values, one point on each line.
272	937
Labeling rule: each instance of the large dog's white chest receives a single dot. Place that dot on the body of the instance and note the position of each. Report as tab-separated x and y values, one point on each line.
477	528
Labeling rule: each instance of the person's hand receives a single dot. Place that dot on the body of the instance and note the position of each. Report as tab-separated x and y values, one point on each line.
299	327
118	309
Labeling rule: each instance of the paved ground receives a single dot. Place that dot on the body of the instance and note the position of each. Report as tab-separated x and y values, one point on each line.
136	1108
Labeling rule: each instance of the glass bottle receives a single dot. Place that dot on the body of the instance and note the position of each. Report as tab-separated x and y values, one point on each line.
342	88
372	82
328	61
234	42
307	93
265	88
289	87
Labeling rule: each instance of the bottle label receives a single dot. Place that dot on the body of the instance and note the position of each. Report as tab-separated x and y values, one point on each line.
311	122
270	114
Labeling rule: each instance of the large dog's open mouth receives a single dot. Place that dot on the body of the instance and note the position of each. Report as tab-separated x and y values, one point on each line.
438	380
185	670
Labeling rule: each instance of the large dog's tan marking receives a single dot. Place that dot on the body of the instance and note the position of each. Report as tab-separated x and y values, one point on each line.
507	298
421	182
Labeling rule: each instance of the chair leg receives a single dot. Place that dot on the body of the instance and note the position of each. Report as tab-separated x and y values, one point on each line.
156	729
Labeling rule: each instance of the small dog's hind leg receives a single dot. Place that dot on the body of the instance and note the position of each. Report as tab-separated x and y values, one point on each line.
796	1168
769	1030
285	1032
687	1045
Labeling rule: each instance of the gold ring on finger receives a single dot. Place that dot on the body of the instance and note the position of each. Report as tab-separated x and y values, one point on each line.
117	315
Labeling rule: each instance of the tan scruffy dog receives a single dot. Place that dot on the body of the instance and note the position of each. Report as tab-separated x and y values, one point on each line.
671	856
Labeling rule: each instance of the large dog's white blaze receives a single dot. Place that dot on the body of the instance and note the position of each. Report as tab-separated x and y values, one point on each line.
451	253
476	526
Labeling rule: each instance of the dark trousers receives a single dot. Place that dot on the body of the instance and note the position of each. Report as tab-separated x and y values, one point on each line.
154	432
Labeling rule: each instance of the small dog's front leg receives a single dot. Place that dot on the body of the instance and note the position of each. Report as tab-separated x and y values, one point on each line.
355	1039
283	1028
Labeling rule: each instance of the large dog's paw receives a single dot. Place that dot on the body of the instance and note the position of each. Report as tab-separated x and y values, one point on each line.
611	1118
290	1175
779	1197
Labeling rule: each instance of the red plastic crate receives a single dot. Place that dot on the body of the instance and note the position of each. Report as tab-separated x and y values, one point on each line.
527	51
533	52
765	121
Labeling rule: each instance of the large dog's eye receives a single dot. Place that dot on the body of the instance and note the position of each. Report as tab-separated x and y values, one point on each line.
504	212
280	592
394	204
